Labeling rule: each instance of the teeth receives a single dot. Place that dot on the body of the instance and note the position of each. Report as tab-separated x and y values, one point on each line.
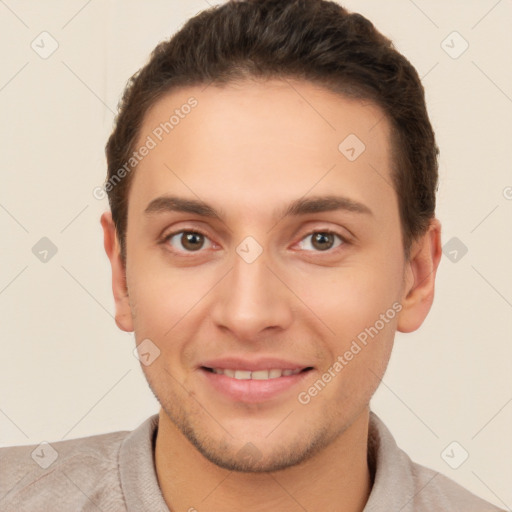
259	375
242	375
255	375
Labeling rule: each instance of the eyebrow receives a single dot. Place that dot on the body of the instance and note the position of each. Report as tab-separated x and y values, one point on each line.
302	206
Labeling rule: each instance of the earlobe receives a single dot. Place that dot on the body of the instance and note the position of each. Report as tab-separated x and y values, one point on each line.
123	316
419	282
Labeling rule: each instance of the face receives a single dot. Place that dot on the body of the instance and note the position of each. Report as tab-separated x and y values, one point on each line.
256	242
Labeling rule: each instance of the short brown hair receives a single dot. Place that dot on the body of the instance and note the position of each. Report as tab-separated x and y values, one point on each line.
314	40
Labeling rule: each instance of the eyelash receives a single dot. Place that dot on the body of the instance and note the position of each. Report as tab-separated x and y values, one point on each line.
343	239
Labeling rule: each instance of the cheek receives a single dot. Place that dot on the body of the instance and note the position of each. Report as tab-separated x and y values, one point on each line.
358	357
358	305
167	303
349	298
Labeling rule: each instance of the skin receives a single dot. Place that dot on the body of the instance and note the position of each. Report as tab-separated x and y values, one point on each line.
248	150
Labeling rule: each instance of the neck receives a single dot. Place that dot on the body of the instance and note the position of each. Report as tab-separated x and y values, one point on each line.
335	480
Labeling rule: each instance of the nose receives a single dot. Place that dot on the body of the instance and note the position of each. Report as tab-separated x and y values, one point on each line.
251	299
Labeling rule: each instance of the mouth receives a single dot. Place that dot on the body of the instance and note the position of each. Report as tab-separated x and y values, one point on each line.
254	386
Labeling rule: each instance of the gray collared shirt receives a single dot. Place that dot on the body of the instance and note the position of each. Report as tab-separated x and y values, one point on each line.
115	472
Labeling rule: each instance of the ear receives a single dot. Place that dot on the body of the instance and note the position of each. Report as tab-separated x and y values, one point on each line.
419	279
112	248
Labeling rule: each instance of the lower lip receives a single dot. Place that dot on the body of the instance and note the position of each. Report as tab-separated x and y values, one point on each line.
252	390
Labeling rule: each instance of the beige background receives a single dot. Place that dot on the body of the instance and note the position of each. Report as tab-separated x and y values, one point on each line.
66	371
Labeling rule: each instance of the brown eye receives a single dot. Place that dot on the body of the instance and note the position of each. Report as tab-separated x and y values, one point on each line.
189	241
322	240
192	241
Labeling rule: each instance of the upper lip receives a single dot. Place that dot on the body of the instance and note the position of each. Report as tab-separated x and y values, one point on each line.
264	363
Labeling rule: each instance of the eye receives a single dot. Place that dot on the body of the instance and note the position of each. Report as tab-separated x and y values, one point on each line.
190	241
194	241
322	241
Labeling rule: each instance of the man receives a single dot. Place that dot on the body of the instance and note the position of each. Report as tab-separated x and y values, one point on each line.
271	177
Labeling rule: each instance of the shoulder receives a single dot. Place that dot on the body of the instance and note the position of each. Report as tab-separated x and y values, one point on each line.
402	484
433	490
76	472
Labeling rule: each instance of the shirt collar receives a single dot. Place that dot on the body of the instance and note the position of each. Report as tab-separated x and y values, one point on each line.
392	489
137	470
393	486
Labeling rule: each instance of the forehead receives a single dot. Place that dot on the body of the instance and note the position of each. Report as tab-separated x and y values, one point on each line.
280	137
